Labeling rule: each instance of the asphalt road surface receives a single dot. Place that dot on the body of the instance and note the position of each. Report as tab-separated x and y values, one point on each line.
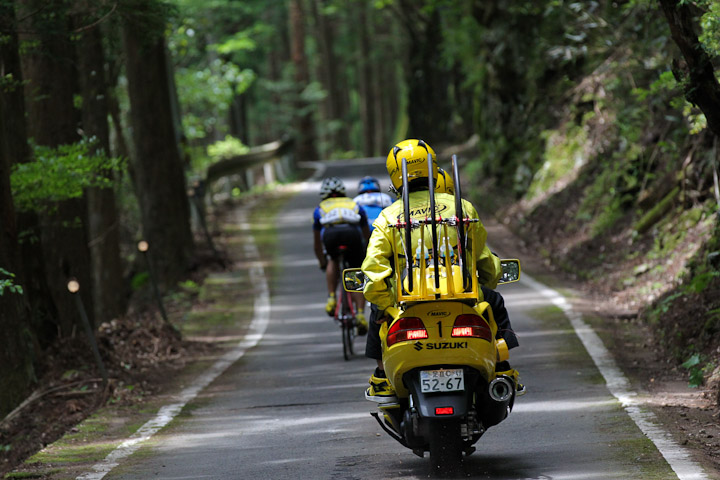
292	408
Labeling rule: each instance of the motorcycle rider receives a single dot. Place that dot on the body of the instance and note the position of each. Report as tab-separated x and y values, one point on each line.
338	220
444	183
377	265
371	198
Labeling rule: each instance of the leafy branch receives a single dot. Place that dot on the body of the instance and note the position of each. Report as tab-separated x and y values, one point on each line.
61	173
7	283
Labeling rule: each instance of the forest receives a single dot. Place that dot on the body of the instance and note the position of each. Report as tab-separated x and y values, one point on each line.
589	127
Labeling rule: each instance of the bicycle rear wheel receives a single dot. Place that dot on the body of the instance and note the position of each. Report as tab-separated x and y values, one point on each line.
347	325
347	342
346	317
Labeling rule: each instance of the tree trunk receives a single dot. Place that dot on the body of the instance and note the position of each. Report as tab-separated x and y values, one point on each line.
159	177
16	345
325	113
103	222
702	89
367	104
120	147
52	121
334	104
379	82
428	107
305	149
239	118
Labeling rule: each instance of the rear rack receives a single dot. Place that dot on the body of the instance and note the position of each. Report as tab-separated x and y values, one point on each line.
441	272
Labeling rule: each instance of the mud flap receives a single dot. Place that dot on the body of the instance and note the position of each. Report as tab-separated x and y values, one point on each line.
427	403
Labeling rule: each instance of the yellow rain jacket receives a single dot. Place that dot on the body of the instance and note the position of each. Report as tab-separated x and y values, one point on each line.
378	264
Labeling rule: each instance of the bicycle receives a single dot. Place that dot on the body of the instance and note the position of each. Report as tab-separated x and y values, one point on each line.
345	311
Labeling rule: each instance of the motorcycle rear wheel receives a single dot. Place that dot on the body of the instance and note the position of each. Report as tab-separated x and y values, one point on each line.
445	446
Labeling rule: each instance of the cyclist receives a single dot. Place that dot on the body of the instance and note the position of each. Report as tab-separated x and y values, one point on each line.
377	265
371	198
337	221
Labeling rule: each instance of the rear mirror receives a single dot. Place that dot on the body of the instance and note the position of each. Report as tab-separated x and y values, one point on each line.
353	280
510	270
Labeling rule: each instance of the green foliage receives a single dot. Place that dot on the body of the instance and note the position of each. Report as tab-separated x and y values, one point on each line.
221	50
8	83
696	367
565	153
139	280
609	196
700	282
190	287
228	148
61	173
208	93
7	283
710	23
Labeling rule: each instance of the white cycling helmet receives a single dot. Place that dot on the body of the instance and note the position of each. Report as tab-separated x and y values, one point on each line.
332	185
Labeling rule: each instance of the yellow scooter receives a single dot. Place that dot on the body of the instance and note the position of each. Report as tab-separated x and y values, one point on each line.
440	349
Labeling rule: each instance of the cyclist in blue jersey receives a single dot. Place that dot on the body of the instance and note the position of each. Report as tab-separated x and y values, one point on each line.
371	198
339	221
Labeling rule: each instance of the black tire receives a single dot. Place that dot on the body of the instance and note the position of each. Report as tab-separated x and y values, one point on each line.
445	446
348	329
347	345
347	341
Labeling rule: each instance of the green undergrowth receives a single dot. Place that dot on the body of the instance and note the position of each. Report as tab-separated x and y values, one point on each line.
262	228
43	474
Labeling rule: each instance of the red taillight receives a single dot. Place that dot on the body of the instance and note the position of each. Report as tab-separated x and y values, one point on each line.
444	410
469	325
404	329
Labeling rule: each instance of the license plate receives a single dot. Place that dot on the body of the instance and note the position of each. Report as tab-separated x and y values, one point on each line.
451	380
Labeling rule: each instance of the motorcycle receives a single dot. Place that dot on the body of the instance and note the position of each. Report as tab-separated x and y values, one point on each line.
440	349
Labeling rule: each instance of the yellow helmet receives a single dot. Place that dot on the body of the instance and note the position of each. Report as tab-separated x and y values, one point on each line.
445	183
415	153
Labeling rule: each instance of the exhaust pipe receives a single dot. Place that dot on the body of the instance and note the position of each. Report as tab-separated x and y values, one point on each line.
501	389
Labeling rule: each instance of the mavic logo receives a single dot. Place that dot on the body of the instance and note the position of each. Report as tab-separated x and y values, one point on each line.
425	211
418	346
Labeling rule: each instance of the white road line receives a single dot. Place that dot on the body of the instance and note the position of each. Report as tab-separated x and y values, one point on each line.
677	457
261	317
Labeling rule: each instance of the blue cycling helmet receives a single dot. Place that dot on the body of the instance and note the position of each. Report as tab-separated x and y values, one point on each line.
368	184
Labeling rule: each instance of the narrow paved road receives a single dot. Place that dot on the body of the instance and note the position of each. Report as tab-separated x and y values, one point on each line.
292	408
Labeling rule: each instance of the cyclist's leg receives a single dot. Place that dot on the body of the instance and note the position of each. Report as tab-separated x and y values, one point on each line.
331	241
331	275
